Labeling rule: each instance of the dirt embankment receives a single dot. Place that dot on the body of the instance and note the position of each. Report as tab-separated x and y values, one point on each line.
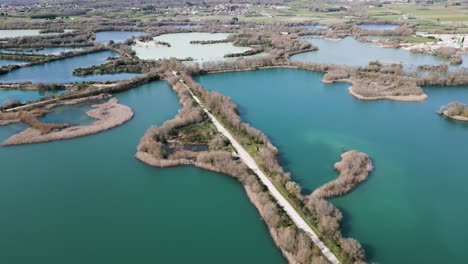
108	115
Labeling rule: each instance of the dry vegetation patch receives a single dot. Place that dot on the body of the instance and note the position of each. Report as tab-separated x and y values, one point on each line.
455	110
354	168
377	81
108	115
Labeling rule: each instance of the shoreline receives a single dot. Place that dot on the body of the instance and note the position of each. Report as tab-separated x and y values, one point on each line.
109	115
400	98
149	160
354	168
456	117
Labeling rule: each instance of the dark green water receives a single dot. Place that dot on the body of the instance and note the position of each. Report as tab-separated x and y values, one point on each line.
88	200
412	209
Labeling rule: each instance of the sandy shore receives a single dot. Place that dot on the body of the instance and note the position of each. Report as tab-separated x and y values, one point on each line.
456	117
108	115
401	98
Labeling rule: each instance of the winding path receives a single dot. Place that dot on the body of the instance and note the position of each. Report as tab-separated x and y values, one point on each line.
250	162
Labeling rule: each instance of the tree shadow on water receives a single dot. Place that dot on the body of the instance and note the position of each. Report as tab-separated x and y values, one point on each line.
346	231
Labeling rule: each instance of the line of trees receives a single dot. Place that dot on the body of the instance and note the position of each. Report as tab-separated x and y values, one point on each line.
266	154
294	243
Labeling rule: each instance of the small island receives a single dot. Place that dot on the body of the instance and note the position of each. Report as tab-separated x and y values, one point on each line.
455	110
109	114
354	168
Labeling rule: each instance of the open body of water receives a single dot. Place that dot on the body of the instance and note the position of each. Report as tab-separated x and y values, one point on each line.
25	95
71	114
104	37
182	49
88	200
61	71
411	208
351	52
378	26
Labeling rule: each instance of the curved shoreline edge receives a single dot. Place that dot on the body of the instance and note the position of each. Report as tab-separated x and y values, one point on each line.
401	98
252	195
280	200
456	117
354	168
109	115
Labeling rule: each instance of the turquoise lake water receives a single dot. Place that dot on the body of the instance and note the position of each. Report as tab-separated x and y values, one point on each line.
411	209
61	71
88	200
24	95
351	52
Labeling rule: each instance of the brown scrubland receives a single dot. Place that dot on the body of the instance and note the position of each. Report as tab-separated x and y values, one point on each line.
43	128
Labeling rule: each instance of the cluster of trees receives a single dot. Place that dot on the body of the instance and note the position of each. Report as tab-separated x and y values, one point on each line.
9	103
339	31
380	84
439	75
8	68
239	64
155	139
44	128
245	53
295	244
354	168
376	80
117	65
208	42
69	39
34	59
450	53
24	57
48	87
51	30
325	214
455	109
271	41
